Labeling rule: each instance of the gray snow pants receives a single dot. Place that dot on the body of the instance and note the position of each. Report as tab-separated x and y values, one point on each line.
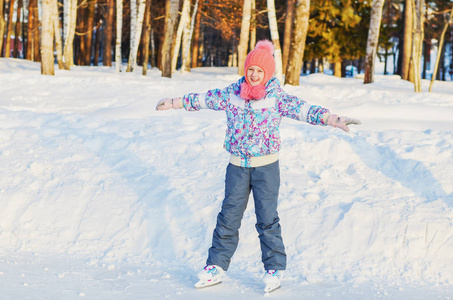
264	182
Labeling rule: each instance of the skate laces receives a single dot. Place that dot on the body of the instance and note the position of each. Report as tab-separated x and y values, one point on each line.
212	270
274	273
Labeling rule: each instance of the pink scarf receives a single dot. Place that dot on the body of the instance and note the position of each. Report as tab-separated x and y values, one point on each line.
249	92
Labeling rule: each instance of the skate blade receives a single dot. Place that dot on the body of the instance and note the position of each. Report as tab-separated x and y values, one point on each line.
202	284
268	290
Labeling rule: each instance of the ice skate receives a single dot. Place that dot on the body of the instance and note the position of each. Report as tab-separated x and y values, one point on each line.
209	276
272	279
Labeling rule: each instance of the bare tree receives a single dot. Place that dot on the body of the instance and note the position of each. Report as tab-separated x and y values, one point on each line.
9	30
296	53
137	16
373	39
288	30
30	36
108	34
132	30
439	49
36	32
275	39
57	34
68	59
196	36
187	39
153	47
17	33
66	6
171	13
185	18
47	57
2	26
89	35
244	37
418	16
407	44
253	26
146	33
119	30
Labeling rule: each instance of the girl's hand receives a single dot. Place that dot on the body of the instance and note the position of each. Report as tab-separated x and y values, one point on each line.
342	122
168	103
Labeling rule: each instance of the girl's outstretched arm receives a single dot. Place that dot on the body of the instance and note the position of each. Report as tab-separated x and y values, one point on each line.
298	109
168	103
215	99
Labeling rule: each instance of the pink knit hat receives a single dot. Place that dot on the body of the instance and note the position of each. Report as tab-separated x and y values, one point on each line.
263	57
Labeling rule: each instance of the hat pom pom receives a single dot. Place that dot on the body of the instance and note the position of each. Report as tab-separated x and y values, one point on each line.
265	45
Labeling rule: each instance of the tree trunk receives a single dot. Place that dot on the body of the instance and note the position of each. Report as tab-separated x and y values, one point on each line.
89	36
30	42
196	37
321	65
337	67
389	25
9	30
187	39
132	30
136	33
253	26
313	65
66	17
275	39
47	65
119	34
36	33
426	57
444	65
69	38
185	47
57	34
171	13
439	49
81	28
146	33
288	30
373	39
33	31
153	48
2	26
67	31
296	53
97	38
66	22
417	41
407	44
107	54
244	37
185	16
17	33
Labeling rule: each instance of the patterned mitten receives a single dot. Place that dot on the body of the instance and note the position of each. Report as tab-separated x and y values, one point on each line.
342	122
168	103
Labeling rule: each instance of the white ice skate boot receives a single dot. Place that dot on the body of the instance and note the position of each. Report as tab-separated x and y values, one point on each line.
210	275
272	279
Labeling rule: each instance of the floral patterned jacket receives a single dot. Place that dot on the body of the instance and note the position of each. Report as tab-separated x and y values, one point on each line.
253	125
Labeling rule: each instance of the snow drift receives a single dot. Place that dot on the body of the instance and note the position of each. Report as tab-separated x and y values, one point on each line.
91	170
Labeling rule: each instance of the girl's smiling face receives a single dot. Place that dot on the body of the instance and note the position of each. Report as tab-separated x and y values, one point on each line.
255	75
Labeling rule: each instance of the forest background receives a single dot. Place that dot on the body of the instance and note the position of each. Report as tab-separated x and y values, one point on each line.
309	36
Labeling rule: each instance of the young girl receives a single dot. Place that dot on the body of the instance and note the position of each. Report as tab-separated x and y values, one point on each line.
254	107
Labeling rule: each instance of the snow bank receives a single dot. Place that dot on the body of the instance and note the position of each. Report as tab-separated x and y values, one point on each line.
90	169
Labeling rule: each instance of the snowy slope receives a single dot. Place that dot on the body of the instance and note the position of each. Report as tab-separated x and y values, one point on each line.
103	197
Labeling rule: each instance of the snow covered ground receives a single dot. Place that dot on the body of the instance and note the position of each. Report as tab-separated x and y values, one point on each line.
102	197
